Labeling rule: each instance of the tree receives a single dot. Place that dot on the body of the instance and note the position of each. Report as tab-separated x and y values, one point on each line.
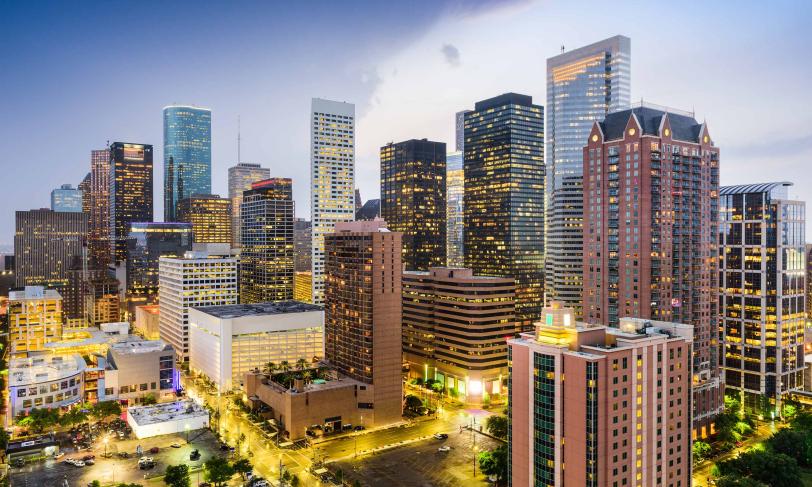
72	417
495	463
95	483
701	451
301	364
149	399
497	426
4	437
177	476
793	443
284	366
773	469
413	403
294	481
737	481
105	409
39	419
242	467
218	471
269	368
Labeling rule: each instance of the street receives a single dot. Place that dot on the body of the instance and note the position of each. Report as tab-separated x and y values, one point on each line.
702	472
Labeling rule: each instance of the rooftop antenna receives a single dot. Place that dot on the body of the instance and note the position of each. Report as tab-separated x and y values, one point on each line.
238	140
562	48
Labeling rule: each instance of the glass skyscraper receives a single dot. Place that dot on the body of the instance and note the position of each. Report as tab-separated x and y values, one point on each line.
130	193
583	85
455	189
187	155
66	198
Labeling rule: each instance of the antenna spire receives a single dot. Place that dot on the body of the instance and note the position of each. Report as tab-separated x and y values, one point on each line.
238	140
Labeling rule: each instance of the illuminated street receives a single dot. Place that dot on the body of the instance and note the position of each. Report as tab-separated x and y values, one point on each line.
702	472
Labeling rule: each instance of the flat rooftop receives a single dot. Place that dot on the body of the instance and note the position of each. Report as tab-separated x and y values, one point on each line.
258	309
133	347
44	368
169	411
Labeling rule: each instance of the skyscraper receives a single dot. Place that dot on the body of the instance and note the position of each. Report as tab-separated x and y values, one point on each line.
623	408
84	187
651	189
240	178
332	176
504	196
99	232
266	259
459	130
362	311
130	181
34	319
455	210
582	87
45	243
302	246
187	155
210	216
66	198
763	267
413	200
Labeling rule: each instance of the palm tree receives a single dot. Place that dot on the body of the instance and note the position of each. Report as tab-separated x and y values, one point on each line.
269	367
307	375
301	364
284	365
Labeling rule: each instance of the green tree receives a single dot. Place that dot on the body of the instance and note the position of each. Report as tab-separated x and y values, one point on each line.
269	368
301	364
218	471
149	399
737	481
242	467
73	417
773	469
294	481
284	366
801	421
793	443
701	451
38	419
177	476
495	463
413	403
105	409
497	426
95	483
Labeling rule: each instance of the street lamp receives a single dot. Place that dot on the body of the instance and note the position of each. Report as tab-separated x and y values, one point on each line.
186	427
106	439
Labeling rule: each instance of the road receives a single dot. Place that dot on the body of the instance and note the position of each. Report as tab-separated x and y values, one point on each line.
702	472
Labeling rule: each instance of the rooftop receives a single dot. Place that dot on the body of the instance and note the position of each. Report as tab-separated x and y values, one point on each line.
170	411
44	368
753	188
138	346
258	309
683	125
34	292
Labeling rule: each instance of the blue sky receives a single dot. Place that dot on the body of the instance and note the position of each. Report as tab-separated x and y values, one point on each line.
77	74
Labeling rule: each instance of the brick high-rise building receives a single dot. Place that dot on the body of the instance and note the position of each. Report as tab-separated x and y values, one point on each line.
362	311
651	206
623	408
413	200
210	216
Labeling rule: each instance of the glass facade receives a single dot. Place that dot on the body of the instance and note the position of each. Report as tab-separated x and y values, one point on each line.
130	193
544	407
146	244
187	155
413	200
210	217
582	87
504	196
455	192
67	198
240	178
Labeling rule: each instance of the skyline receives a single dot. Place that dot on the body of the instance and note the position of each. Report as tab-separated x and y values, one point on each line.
407	78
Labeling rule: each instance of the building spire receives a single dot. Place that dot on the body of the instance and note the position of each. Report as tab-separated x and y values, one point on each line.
238	140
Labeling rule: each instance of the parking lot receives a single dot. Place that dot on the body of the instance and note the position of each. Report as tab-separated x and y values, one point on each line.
51	472
420	463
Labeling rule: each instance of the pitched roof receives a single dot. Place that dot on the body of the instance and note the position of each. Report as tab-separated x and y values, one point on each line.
683	127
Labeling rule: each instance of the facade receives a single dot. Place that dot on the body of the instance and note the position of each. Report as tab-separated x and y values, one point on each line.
137	369
130	193
67	198
454	329
651	183
624	407
75	292
762	276
267	256
459	130
455	210
195	279
362	312
102	300
34	318
187	155
583	86
45	243
302	246
303	287
332	176
210	216
504	196
227	342
808	250
99	232
146	244
45	381
413	200
146	319
84	187
240	178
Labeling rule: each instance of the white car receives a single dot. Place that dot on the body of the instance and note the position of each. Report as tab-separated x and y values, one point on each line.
78	463
444	449
59	455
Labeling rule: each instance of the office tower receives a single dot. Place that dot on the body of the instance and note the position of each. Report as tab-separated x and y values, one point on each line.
210	216
130	181
358	202
193	280
146	244
266	259
240	178
34	318
362	311
623	408
84	187
762	277
303	286
80	275
504	196
332	176
187	155
66	198
45	241
651	189
582	87
99	230
455	210
808	251
370	211
302	246
454	329
102	301
413	199
459	130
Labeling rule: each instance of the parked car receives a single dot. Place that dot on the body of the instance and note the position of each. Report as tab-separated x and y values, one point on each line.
444	449
154	450
123	454
78	463
89	457
440	436
175	445
59	455
359	428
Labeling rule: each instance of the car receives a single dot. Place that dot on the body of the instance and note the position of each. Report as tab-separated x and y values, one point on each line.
175	445
154	449
444	449
59	455
89	457
123	454
70	461
359	428
440	436
79	463
90	462
195	455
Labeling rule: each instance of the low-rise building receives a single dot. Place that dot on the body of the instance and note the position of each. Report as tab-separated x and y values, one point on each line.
146	321
136	369
226	342
166	419
45	381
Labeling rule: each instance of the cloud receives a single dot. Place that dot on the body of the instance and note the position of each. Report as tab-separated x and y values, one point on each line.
451	54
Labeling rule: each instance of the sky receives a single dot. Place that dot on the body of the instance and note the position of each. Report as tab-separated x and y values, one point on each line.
75	75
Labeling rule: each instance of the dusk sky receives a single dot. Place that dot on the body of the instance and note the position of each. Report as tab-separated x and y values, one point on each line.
78	74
